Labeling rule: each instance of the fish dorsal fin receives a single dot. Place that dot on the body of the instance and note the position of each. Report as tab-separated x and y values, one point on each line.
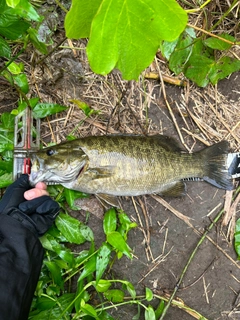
107	200
168	143
177	189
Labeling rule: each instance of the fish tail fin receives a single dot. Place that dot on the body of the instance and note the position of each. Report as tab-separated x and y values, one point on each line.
215	162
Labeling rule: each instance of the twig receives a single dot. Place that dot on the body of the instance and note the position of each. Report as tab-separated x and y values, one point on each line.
212	34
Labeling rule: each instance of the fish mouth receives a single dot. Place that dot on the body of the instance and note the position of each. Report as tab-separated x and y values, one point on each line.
53	176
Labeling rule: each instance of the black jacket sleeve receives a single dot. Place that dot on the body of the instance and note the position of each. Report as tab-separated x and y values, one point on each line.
21	256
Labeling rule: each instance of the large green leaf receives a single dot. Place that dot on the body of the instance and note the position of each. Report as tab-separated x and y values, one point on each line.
79	18
126	34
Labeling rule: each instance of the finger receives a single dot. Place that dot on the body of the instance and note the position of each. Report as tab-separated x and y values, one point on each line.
35	193
41	185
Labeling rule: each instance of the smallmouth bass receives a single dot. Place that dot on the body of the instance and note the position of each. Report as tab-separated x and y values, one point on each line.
129	165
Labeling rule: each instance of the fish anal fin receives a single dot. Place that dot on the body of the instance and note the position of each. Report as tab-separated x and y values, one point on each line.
176	189
107	200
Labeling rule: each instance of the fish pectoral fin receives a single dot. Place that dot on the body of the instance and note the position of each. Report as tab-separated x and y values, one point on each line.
176	189
101	172
107	200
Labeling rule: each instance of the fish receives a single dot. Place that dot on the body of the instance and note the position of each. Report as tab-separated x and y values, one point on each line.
109	166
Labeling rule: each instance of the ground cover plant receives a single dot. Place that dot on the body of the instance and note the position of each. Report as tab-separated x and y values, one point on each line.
203	56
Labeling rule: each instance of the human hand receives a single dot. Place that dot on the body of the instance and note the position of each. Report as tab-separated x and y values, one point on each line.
38	213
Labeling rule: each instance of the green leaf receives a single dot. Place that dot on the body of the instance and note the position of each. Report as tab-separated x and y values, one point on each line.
42	110
79	18
237	238
49	242
6	166
105	316
114	295
84	107
167	48
110	221
55	272
86	232
14	68
117	242
103	258
33	36
103	285
216	43
25	10
12	3
181	54
149	313
88	309
223	68
21	81
131	289
45	303
159	310
69	227
89	268
139	26
199	69
63	302
71	196
5	50
23	105
6	180
149	294
7	120
12	27
125	224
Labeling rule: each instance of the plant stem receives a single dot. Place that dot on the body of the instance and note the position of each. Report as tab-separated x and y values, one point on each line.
235	2
192	256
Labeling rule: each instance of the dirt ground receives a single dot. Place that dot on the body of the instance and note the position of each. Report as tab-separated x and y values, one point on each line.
163	242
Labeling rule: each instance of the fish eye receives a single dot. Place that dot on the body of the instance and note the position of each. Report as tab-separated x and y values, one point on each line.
50	152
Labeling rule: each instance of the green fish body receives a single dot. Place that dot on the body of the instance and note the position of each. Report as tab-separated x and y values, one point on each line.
129	165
